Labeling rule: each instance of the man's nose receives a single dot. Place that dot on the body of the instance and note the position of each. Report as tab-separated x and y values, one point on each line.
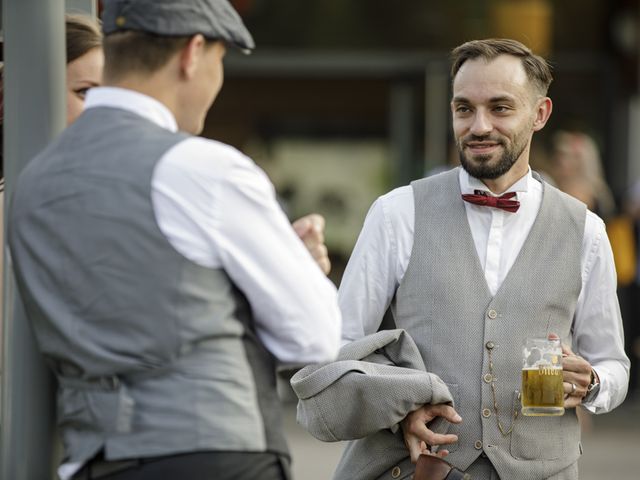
481	124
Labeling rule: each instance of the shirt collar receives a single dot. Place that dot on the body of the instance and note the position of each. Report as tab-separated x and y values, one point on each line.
132	101
469	184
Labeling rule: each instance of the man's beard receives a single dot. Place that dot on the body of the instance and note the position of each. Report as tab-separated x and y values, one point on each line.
481	168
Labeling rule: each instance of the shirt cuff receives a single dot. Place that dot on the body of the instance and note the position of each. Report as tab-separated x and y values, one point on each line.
601	402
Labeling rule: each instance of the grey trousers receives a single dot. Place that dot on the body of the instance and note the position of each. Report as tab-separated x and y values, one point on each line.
482	469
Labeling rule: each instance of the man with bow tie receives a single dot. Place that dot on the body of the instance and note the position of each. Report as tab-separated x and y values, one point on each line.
472	261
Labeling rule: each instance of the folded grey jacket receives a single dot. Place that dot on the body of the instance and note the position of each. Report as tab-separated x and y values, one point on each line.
362	396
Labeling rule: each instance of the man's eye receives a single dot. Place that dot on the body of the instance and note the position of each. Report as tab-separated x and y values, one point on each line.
462	109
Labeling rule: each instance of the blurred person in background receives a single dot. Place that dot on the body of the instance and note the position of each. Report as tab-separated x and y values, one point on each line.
577	170
473	261
163	280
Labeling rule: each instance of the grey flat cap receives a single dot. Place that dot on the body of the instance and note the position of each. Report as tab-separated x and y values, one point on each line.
214	19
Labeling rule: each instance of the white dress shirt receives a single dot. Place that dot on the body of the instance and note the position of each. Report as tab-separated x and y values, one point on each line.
381	256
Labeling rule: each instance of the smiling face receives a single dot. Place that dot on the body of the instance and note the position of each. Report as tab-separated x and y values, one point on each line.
83	73
495	111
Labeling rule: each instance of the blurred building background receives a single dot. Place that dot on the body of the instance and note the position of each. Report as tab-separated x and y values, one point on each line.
342	101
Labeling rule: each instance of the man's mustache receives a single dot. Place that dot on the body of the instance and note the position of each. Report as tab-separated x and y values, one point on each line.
477	138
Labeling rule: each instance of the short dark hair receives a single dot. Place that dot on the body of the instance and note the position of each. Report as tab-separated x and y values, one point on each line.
140	52
82	34
537	68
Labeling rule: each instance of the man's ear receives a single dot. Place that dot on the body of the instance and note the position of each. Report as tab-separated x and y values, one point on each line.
543	112
190	56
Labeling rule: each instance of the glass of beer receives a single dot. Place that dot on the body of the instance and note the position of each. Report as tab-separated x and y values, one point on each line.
542	392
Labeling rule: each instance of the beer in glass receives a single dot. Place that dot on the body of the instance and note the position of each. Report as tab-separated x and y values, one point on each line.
542	391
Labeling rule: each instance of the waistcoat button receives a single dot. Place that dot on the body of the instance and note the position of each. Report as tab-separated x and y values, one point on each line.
486	413
490	345
395	473
492	314
487	377
478	445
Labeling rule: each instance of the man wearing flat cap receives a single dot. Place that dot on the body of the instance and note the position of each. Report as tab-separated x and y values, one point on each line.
161	277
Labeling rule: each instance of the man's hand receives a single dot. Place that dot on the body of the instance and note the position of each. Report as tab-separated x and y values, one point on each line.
575	371
418	438
310	229
576	376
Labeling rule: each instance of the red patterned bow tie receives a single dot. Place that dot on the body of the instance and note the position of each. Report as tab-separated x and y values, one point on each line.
503	201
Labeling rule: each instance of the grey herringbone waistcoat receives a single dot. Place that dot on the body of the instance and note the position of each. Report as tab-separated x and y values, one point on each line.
444	303
154	354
